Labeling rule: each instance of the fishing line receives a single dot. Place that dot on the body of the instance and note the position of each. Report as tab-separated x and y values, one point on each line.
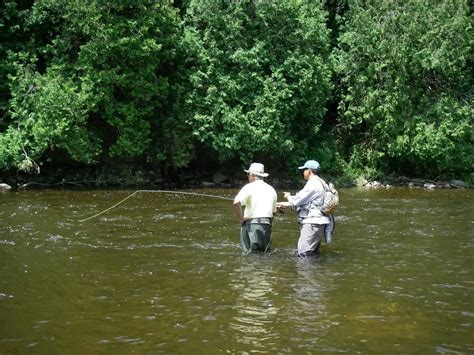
160	191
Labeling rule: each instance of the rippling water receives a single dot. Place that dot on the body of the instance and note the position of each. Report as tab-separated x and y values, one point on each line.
163	273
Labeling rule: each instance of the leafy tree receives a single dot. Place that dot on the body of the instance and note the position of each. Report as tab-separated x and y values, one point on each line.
121	62
261	78
127	80
406	86
49	113
94	81
12	40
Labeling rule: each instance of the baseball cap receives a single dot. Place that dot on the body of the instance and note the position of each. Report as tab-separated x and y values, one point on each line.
310	164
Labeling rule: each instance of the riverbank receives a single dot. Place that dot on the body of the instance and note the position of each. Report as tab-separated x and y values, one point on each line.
126	178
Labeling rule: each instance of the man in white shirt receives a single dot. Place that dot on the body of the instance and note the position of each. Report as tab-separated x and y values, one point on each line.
258	199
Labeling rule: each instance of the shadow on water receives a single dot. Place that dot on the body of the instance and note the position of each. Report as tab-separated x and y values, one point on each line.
164	273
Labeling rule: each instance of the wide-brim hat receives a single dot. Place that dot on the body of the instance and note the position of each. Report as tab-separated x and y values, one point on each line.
257	169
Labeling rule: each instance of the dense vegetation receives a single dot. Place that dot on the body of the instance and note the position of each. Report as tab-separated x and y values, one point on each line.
369	88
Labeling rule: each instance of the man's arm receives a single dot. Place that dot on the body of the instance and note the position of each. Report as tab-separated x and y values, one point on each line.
238	211
282	205
302	197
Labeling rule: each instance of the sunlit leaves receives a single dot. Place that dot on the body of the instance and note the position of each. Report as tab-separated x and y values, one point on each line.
98	75
406	94
50	113
262	80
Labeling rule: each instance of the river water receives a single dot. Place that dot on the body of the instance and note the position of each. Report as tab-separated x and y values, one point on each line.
163	273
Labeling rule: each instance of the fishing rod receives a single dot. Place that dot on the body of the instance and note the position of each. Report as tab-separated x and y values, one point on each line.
160	191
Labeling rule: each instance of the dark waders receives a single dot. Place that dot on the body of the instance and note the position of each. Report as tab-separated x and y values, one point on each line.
256	236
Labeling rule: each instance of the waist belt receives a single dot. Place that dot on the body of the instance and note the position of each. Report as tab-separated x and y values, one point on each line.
263	220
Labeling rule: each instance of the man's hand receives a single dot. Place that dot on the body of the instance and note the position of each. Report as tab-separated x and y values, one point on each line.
243	220
283	205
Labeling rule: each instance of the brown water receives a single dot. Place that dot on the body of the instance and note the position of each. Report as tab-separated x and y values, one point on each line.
163	273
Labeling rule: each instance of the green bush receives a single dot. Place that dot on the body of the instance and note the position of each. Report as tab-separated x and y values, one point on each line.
406	86
261	78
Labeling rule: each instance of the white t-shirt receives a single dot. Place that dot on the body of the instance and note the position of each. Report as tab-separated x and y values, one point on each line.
259	199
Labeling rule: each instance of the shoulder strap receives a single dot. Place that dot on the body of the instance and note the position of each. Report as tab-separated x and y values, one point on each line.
324	183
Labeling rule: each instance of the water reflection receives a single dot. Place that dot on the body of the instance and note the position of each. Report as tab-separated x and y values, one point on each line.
280	300
254	281
309	289
308	310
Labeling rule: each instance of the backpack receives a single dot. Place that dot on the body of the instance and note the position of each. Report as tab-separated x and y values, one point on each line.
330	198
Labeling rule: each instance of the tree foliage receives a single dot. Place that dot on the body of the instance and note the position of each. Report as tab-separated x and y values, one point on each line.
12	39
365	87
92	79
406	86
49	113
261	78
